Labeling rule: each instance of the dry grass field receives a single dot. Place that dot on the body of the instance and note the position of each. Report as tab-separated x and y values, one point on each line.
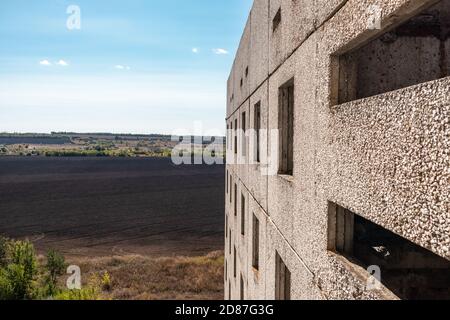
149	278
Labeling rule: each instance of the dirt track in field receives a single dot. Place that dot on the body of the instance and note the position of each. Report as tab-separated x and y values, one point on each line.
112	206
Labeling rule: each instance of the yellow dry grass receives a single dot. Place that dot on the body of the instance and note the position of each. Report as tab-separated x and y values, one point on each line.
146	278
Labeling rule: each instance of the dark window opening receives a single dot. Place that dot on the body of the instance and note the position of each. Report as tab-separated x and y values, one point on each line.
235	263
408	270
257	126
226	225
286	127
243	215
226	269
276	20
282	280
231	135
246	72
255	244
242	288
244	138
229	238
227	182
231	187
228	136
235	137
242	82
417	51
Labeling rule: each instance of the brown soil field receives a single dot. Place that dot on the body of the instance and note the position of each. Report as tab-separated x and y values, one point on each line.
103	207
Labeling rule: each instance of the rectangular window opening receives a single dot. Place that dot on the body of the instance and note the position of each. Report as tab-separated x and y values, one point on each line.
416	51
229	239
409	271
282	280
226	269
226	226
231	136
257	126
228	136
235	263
242	296
242	215
227	181
235	137
276	20
286	127
244	138
255	244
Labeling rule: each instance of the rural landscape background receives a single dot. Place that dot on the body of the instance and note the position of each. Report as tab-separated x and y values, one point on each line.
90	95
116	205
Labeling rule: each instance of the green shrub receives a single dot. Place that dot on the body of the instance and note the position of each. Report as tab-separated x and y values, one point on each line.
6	292
23	254
106	282
88	293
3	252
18	275
18	284
55	267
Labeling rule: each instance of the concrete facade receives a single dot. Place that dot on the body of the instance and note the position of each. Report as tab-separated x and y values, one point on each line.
371	135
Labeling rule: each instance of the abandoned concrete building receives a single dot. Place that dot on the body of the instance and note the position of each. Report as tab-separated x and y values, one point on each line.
359	91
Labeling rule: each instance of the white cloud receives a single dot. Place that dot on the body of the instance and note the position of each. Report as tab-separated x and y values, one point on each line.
45	63
195	50
122	67
62	63
220	51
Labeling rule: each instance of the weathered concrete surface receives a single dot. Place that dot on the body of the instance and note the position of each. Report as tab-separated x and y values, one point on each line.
230	93
243	117
259	47
257	183
385	157
257	278
399	171
241	66
412	53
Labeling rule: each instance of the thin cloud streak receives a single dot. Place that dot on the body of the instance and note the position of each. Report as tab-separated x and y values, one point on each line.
220	51
121	67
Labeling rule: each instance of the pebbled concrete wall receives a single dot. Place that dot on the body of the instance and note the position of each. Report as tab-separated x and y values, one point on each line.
385	156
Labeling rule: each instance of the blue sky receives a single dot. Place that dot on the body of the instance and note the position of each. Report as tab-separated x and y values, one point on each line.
135	66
